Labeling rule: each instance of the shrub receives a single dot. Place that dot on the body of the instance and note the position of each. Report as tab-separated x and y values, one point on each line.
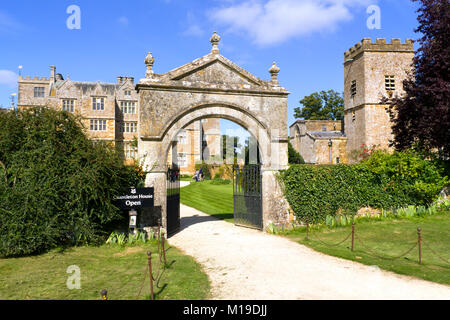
220	181
206	168
56	185
293	156
408	173
383	181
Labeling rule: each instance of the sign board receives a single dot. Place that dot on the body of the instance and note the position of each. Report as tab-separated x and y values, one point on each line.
136	199
132	221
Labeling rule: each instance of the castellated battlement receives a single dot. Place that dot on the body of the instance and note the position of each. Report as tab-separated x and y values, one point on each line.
380	45
34	79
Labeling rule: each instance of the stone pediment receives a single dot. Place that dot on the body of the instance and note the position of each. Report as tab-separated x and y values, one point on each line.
212	72
217	70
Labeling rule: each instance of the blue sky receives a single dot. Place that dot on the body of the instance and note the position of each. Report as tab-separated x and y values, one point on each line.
307	38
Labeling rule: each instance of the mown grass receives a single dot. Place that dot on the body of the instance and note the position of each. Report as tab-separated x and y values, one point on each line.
390	238
216	200
119	270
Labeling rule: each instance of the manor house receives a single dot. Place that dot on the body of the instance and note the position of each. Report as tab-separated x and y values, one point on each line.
110	112
372	70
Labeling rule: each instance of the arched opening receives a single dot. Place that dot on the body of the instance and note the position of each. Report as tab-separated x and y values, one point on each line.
218	164
214	142
244	119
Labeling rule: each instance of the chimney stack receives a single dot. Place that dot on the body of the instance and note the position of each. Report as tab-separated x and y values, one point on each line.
52	73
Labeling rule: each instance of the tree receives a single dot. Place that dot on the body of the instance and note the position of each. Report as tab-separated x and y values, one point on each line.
251	144
293	156
230	145
323	105
421	117
56	185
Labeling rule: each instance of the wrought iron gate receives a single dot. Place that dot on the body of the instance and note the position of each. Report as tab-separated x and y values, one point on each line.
247	189
173	201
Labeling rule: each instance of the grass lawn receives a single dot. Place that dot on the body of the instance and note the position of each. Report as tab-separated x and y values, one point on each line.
216	200
390	238
119	270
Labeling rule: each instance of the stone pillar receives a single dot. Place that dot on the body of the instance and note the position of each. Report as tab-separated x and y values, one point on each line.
151	154
157	180
275	206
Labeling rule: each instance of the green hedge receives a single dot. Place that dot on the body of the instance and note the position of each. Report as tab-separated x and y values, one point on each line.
384	181
56	185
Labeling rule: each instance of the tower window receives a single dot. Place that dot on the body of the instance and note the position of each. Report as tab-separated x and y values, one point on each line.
353	116
389	83
353	89
39	92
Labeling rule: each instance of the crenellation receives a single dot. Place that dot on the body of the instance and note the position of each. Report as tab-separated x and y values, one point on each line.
380	45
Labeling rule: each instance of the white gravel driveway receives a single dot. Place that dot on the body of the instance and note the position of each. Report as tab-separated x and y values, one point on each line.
248	264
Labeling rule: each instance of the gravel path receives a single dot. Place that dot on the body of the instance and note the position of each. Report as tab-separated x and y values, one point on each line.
247	264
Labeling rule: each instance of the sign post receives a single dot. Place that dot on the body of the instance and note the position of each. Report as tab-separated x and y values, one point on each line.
137	198
133	218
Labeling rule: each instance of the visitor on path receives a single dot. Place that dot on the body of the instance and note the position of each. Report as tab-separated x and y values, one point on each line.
196	176
200	174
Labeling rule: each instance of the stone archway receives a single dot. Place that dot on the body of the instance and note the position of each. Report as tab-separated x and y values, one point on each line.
214	87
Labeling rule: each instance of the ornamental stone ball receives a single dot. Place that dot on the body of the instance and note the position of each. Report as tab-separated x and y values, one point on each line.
149	61
274	70
215	39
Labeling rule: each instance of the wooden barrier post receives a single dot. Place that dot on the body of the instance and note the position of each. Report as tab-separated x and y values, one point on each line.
419	240
149	254
353	235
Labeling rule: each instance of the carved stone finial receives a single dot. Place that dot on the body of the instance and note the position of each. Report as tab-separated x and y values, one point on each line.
149	61
215	39
274	70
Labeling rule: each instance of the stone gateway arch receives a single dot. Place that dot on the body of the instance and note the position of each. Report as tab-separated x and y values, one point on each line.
213	87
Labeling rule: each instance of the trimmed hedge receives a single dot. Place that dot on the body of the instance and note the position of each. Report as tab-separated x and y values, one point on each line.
293	156
56	185
314	192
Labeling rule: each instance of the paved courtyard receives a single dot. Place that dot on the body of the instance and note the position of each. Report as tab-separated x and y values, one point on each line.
247	264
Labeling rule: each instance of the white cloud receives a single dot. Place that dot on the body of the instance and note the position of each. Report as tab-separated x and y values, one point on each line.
275	21
8	24
123	21
8	78
193	28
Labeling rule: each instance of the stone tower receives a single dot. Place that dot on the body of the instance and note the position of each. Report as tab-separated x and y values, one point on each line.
373	71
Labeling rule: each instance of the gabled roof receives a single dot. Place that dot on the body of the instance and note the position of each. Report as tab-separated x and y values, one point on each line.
211	72
205	62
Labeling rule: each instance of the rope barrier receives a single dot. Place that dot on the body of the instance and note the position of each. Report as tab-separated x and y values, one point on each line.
332	245
143	282
432	251
373	253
